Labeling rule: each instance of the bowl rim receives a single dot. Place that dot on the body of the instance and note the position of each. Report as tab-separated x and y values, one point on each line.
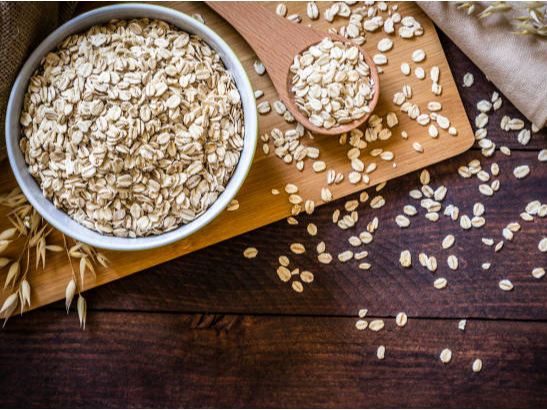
58	218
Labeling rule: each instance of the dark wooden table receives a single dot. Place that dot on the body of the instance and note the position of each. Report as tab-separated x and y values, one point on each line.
213	329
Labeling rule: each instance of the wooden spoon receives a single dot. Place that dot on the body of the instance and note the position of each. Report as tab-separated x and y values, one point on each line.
276	41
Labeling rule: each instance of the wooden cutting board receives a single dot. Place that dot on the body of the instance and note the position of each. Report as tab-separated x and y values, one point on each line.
258	207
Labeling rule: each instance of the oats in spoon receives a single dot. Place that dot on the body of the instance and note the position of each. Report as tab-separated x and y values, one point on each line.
332	83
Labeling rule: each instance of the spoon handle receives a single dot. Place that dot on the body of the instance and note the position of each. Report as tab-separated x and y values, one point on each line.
274	39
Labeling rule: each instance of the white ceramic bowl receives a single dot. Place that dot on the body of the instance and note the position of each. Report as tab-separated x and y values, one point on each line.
30	187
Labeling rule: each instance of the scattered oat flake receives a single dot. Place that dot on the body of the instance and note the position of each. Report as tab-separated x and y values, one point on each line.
345	256
538	273
468	80
312	10
402	221
326	195
461	324
233	206
432	216
448	241
409	210
401	319
360	255
379	59
505	285
446	356
486	190
422	257
418	147
259	67
321	247
354	241
250	253
297	286
281	10
405	259
324	258
361	324
484	106
452	262
418	56
521	171
431	264
297	248
198	17
376	325
284	273
284	260
481	120
377	202
306	276
433	131
425	177
291	220
312	229
319	166
263	108
380	352
384	45
526	217
440	283
477	365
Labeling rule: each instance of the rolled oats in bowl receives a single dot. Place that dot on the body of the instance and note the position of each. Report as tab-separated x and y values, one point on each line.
132	128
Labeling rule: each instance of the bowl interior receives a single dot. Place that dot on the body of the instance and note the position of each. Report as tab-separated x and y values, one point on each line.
30	187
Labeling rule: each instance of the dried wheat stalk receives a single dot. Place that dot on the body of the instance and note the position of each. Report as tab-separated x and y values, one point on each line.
31	232
530	15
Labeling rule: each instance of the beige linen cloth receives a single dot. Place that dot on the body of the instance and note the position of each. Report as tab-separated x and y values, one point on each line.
516	64
23	26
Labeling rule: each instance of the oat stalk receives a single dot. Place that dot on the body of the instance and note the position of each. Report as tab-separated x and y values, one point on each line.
530	19
29	226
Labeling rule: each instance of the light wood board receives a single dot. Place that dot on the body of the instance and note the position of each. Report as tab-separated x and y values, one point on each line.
258	207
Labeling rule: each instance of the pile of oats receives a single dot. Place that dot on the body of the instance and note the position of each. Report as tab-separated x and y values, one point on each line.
132	128
332	84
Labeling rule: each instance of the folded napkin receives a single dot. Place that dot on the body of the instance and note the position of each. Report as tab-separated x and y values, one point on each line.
516	64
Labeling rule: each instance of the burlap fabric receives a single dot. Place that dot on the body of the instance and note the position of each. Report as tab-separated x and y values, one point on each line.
517	65
23	25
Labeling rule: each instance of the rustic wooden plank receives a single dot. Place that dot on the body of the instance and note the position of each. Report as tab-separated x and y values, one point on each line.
257	206
172	360
220	279
483	89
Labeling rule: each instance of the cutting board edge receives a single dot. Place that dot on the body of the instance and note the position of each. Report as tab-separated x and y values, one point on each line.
463	134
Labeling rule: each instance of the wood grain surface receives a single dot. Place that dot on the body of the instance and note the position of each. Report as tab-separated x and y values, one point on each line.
213	329
258	207
252	285
232	361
